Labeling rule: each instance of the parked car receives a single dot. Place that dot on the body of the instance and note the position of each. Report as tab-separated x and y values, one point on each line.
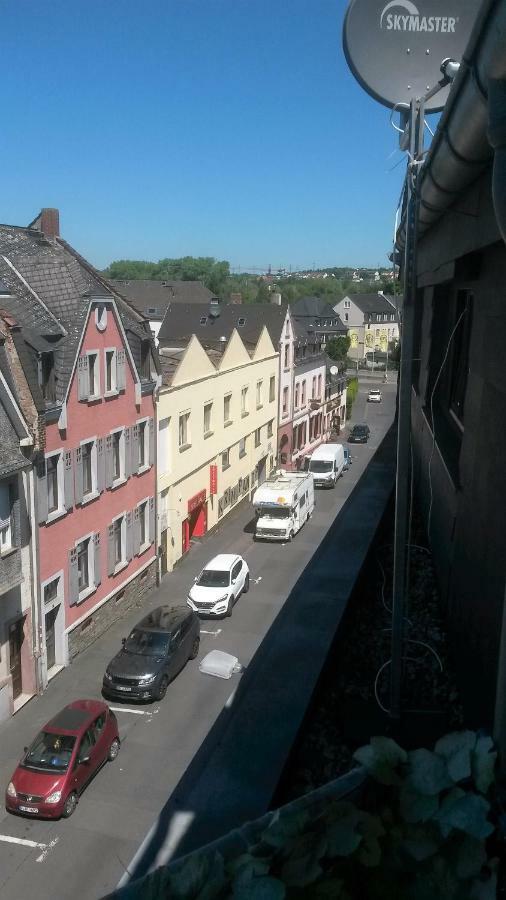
219	585
155	651
348	461
374	397
359	434
63	758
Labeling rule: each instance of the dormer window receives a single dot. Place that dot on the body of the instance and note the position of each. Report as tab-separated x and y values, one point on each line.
241	321
146	360
152	310
47	377
203	320
101	316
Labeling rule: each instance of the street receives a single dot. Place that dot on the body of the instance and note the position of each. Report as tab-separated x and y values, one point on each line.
87	855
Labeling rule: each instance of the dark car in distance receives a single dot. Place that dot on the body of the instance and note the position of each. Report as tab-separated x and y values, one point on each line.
359	434
154	652
63	759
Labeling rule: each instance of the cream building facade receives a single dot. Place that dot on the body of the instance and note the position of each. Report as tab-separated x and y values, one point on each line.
217	432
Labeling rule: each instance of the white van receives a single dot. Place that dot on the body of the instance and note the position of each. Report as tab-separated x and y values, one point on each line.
327	464
283	504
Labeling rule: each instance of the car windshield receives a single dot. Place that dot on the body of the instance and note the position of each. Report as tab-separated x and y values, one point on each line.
147	643
360	429
50	751
374	393
213	579
320	465
275	512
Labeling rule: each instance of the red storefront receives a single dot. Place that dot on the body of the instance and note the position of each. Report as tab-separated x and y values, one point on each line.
196	523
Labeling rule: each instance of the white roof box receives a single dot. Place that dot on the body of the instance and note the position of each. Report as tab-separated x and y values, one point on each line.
220	664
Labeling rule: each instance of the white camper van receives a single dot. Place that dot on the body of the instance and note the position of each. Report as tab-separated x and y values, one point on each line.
282	505
327	464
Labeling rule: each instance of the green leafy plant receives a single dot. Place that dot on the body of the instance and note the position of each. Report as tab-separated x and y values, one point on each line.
418	832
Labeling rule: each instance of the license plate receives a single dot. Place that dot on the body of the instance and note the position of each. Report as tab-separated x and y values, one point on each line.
29	809
120	687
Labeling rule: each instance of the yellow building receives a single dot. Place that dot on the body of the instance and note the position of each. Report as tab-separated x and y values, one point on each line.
216	426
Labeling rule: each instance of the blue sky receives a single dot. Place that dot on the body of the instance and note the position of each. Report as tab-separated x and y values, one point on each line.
226	128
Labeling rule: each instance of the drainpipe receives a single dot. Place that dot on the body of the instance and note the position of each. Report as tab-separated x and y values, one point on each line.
37	643
497	138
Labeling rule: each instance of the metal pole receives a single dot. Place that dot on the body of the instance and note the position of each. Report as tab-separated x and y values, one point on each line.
402	486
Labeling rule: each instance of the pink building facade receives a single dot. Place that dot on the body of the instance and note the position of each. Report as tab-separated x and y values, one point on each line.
96	489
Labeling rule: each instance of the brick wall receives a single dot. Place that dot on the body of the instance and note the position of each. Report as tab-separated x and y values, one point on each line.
126	600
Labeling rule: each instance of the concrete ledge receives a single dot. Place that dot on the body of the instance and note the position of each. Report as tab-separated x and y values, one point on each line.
234	776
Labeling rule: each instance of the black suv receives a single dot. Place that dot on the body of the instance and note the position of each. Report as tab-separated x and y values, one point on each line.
153	653
359	434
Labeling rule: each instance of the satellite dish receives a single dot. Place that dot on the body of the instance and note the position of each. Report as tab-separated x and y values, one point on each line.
395	48
334	370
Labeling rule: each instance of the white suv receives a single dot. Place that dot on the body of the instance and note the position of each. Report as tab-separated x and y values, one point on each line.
219	585
374	397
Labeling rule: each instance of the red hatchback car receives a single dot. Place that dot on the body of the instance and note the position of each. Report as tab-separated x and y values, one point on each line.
63	758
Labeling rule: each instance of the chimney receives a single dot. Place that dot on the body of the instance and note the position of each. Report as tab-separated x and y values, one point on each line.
276	298
236	299
50	222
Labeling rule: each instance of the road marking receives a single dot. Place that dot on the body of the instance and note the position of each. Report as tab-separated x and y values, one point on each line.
23	841
214	633
47	849
135	712
257	580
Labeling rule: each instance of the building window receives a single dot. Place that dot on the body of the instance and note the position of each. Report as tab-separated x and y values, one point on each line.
47	377
227	400
346	317
93	375
242	447
164	448
225	460
241	321
184	430
272	388
257	437
297	392
54	476
143	523
269	428
259	394
118	455
244	401
285	401
146	360
303	392
118	527
111	381
347	304
143	431
5	519
83	565
319	387
287	356
51	590
89	467
203	320
208	409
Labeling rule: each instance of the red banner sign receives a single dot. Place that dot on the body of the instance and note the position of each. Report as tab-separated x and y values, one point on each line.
213	480
196	501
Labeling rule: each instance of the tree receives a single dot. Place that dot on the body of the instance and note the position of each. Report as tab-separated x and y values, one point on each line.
337	348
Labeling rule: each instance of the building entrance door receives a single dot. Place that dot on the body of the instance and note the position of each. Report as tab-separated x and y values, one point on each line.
16	638
195	525
163	555
50	637
262	470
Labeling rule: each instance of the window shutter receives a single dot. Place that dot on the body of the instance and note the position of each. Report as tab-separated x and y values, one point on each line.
82	378
135	449
110	550
151	440
121	370
68	479
100	465
129	536
96	550
108	461
152	533
73	577
137	532
128	452
79	475
42	490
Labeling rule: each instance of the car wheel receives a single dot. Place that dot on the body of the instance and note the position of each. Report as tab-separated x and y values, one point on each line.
70	805
290	537
113	750
246	584
162	689
195	648
229	607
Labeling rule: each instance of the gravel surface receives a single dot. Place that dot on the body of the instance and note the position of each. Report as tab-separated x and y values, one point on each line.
345	711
